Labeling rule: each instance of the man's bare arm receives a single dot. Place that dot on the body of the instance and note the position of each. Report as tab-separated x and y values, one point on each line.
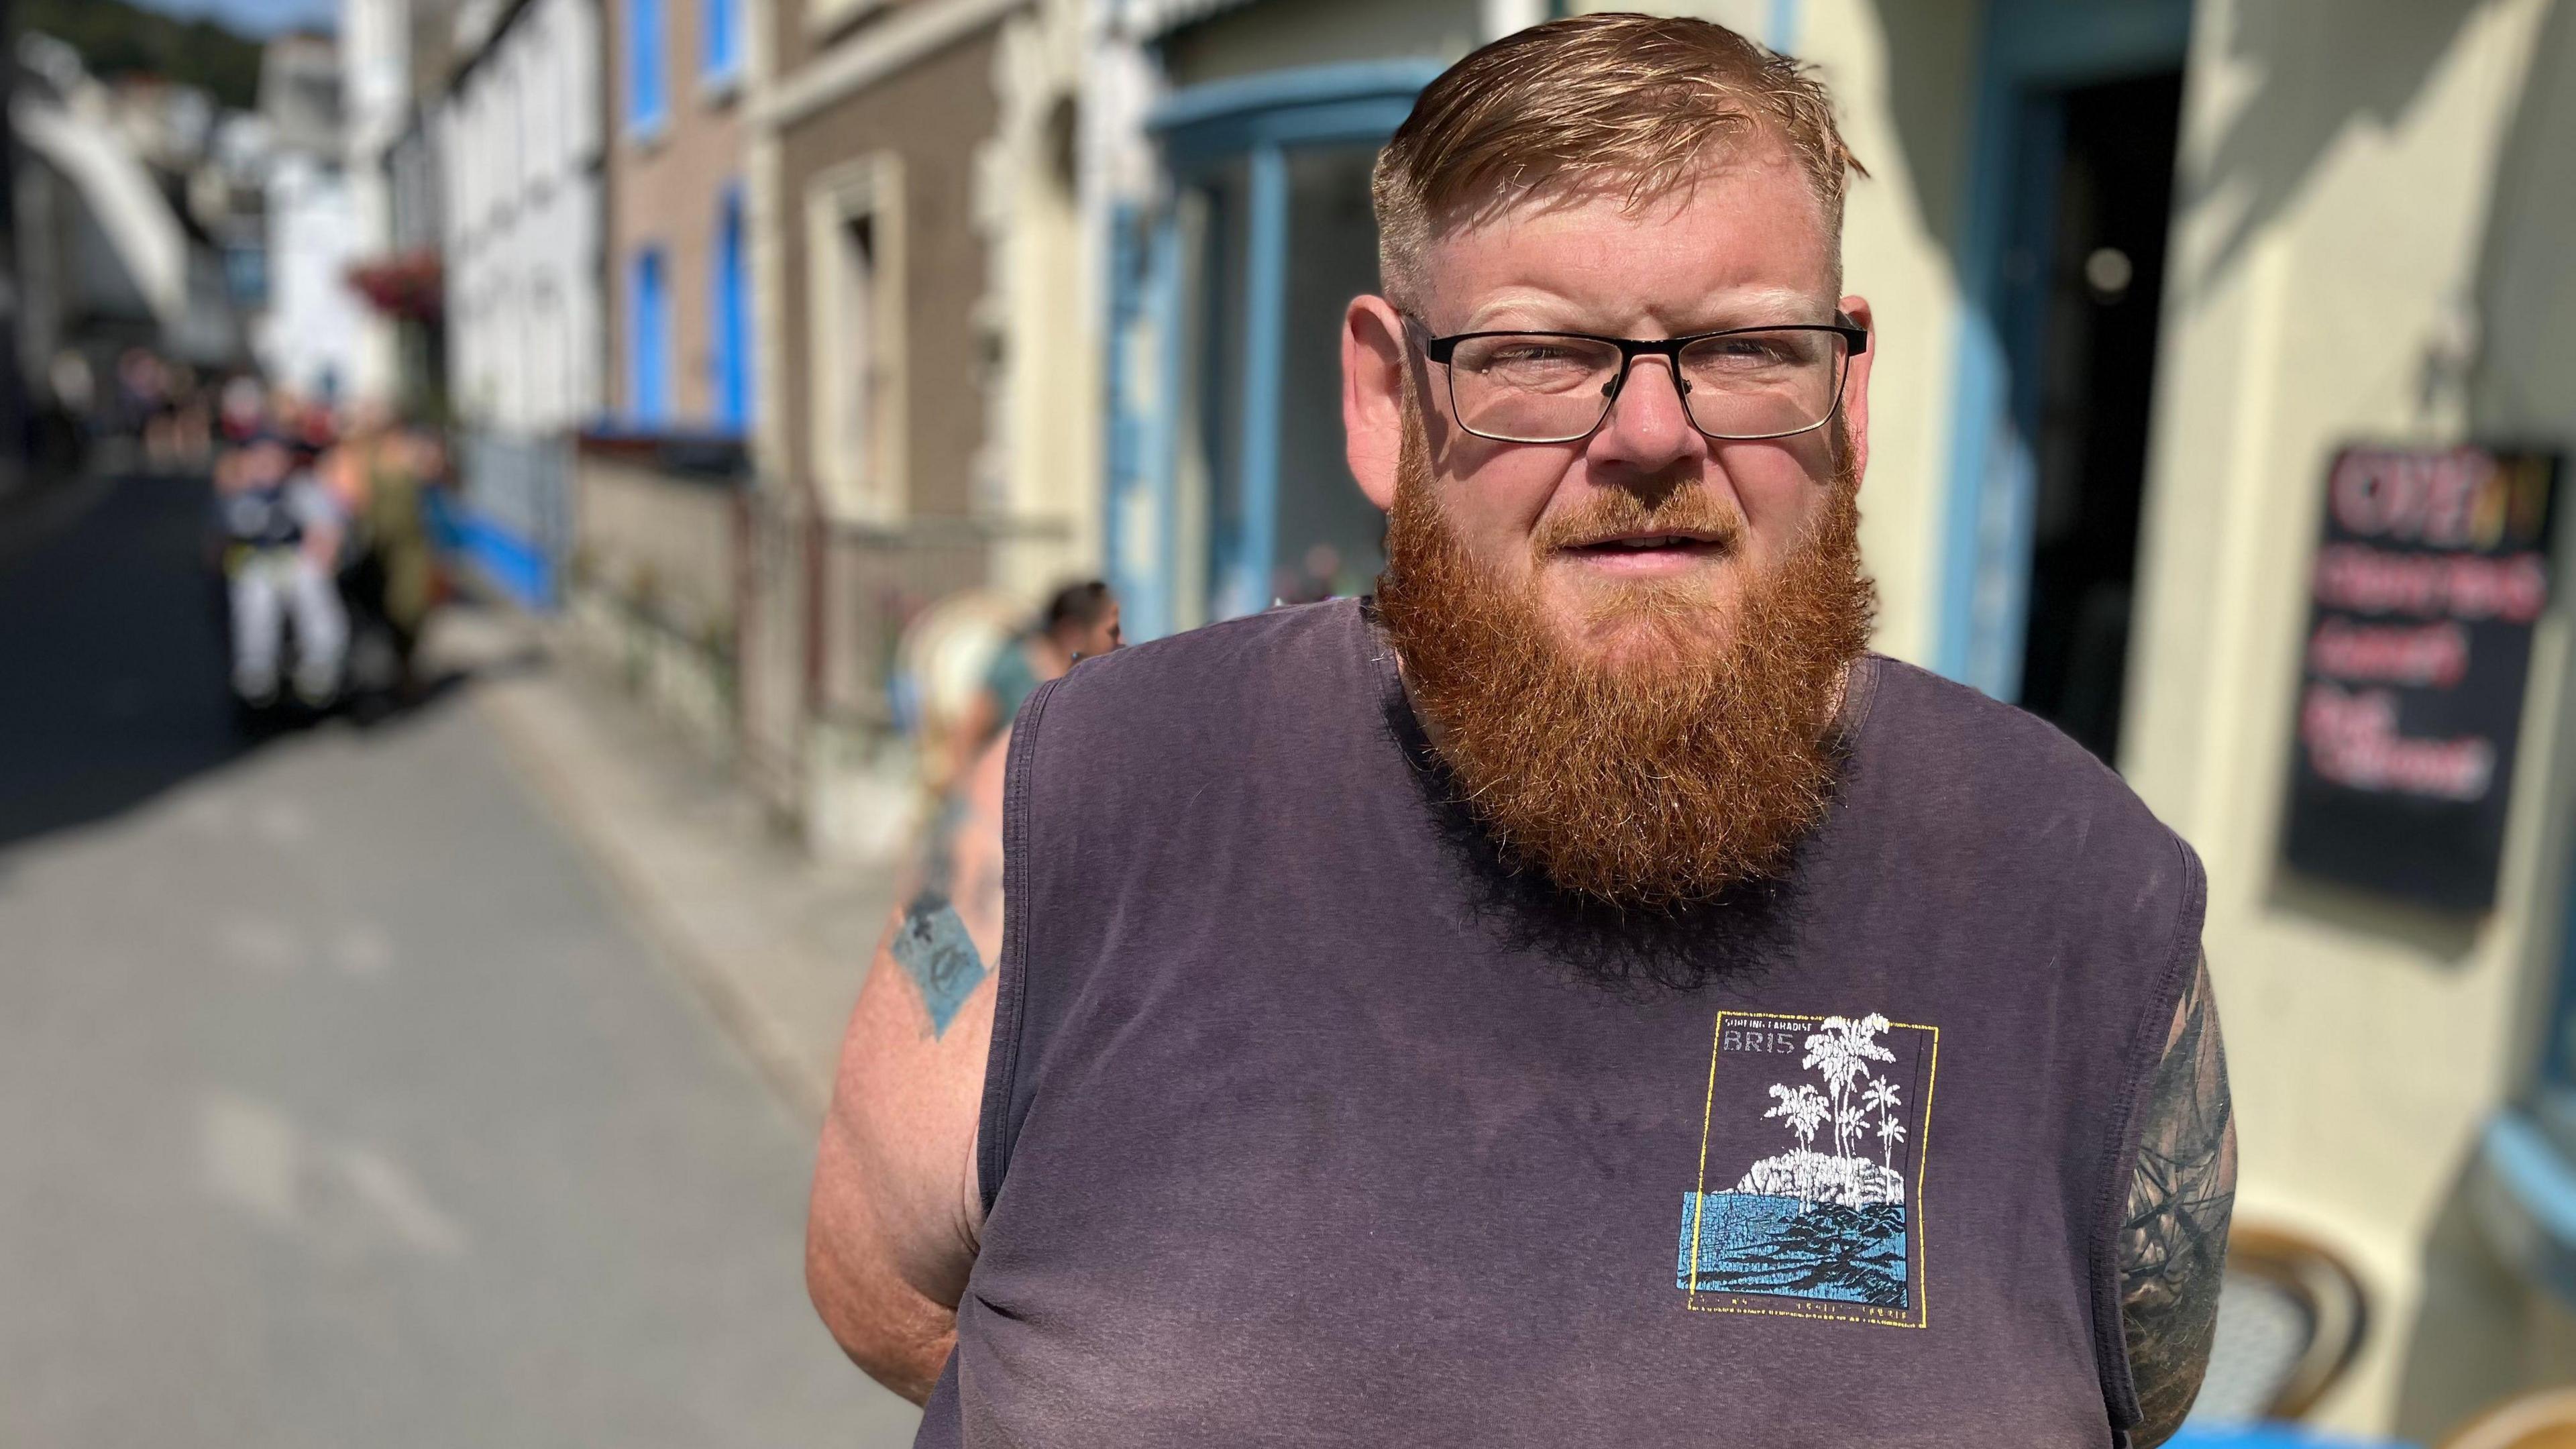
895	1214
2173	1244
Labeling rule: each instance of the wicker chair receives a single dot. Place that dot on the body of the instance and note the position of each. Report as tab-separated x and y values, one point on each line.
2291	1318
2544	1420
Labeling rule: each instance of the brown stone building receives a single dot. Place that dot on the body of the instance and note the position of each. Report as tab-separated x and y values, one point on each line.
930	432
679	236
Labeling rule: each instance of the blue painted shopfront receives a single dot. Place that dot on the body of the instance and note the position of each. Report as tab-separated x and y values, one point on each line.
1227	488
2034	54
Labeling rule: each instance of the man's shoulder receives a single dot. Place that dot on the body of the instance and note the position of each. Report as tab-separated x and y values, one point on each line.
1957	760
1224	668
1939	723
1157	739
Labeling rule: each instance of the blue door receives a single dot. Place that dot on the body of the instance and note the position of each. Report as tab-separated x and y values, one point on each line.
2068	208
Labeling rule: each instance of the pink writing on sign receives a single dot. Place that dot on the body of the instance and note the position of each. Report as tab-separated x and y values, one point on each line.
2352	740
2513	587
2443	499
2428	654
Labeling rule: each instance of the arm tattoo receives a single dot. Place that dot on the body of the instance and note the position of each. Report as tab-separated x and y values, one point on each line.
2173	1238
933	948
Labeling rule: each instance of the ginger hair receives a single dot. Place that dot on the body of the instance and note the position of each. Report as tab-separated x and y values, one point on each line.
1628	102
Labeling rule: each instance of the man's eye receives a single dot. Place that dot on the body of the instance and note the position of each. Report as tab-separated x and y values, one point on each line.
1528	352
1751	349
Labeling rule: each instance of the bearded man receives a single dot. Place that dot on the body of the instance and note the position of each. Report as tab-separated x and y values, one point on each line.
1377	989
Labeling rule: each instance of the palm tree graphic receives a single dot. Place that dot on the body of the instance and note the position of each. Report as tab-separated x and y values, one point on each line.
1802	1106
1805	1110
1841	1053
1881	1094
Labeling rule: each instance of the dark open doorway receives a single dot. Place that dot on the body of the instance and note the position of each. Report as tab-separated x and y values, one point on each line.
2086	279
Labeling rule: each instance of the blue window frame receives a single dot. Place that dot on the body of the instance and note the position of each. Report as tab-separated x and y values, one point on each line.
722	41
1236	286
644	99
731	309
648	339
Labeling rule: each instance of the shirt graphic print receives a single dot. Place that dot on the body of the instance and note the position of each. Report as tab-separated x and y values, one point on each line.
1811	1167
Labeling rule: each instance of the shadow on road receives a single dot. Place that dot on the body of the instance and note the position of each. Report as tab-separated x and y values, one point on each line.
113	681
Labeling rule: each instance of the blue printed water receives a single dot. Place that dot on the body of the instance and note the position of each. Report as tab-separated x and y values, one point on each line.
1756	1243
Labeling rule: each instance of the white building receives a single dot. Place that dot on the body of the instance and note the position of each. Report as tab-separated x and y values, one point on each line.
309	339
375	92
519	130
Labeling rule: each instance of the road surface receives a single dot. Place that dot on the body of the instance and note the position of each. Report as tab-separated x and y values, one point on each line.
338	1105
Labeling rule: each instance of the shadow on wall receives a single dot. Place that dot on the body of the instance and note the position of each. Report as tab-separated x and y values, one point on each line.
1932	59
2477	1335
2523	384
2317	70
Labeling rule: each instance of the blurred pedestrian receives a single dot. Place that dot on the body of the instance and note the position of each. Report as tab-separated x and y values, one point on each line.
75	388
142	392
1385	985
376	475
280	536
1080	620
241	410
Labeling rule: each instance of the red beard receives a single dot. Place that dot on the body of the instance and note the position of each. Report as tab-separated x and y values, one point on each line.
1660	774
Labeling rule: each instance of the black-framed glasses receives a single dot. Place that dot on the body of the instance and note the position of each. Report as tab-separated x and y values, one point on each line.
1739	385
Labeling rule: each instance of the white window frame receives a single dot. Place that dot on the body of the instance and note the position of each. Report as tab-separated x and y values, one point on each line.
822	17
865	487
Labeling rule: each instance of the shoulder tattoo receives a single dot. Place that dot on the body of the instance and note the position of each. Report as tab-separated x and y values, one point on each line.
2173	1237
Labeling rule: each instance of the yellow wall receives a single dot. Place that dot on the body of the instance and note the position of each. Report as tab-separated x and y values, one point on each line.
2331	218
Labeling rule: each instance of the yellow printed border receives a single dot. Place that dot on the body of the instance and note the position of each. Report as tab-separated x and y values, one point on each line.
1917	1252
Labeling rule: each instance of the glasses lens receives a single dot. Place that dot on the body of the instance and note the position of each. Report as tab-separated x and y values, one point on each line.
1763	384
1531	388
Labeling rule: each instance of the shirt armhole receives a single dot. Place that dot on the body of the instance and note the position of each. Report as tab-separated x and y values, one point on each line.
994	1127
2146	1051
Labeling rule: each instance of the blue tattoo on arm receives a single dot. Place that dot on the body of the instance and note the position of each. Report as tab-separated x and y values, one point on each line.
933	948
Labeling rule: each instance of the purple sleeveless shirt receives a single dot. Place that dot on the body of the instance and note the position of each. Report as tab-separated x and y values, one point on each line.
1306	1125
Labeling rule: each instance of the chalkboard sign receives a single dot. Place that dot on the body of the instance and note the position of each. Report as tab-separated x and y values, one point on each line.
2433	566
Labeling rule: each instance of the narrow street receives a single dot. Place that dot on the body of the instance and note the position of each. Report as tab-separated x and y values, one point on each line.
339	1103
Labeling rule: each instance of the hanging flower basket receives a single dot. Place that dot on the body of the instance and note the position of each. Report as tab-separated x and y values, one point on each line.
407	285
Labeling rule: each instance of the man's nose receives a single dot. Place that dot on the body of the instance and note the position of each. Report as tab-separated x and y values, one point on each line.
1648	426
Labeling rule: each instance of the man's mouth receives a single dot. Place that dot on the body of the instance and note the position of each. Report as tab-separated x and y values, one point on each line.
1651	552
1632	542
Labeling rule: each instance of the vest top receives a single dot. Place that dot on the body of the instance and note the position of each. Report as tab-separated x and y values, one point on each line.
1301	1127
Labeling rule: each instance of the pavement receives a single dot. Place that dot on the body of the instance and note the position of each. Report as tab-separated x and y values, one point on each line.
775	941
363	1085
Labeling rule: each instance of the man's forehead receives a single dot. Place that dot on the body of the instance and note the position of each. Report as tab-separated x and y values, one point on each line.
1746	223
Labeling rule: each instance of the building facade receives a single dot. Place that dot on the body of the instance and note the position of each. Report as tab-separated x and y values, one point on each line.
2145	274
519	136
310	337
926	422
679	238
375	89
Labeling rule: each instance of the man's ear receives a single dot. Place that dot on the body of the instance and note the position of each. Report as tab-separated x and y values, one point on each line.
1373	362
1856	386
